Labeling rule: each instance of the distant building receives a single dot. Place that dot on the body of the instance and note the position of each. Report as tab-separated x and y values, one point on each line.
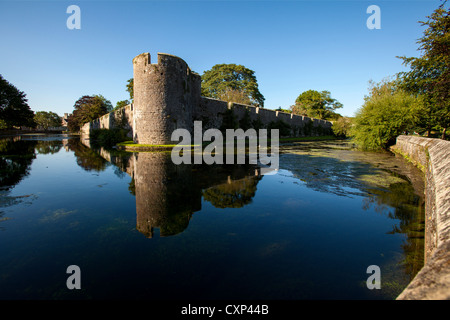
64	119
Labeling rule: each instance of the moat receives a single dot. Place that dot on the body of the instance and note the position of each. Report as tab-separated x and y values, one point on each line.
140	227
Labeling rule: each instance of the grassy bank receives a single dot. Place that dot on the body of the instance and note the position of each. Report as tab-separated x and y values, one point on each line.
131	146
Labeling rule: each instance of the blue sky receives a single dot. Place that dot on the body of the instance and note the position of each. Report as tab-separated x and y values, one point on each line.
292	46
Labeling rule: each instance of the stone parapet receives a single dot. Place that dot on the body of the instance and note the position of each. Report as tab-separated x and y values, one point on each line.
433	157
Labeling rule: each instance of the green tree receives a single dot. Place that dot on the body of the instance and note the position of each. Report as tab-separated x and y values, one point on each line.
225	77
130	88
46	119
86	109
234	95
429	74
121	104
14	109
108	105
316	104
246	122
283	110
387	112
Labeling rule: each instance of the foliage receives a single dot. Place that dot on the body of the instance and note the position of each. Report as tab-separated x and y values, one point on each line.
257	124
108	105
283	110
229	120
234	95
316	104
222	78
387	112
108	137
245	123
130	88
341	127
14	109
429	74
46	119
283	127
86	109
121	104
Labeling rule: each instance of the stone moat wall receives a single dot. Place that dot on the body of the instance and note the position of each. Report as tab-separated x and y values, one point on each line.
433	157
167	96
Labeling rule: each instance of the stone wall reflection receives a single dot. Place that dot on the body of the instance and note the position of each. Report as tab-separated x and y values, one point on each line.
165	198
167	195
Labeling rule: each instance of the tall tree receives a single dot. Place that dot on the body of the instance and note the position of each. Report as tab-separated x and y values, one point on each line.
108	105
46	119
223	78
429	74
316	104
86	109
14	109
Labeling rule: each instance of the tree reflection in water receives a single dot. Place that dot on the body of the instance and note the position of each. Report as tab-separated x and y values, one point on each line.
16	156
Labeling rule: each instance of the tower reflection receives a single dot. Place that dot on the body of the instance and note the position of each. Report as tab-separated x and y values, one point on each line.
167	195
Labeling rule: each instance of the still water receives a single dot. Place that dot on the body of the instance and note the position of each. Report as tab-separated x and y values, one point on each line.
140	227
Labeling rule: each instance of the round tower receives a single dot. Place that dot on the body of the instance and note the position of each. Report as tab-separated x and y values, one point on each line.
165	96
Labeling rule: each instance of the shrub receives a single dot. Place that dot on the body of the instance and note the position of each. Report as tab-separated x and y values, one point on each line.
341	127
386	113
108	137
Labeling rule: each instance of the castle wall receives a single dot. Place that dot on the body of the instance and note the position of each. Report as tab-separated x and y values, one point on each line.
210	112
167	96
120	118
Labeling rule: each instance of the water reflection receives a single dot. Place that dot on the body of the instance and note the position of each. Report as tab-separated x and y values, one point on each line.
287	208
16	156
49	146
388	184
408	209
167	194
87	158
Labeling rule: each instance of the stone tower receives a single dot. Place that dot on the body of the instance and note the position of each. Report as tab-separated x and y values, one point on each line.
165	97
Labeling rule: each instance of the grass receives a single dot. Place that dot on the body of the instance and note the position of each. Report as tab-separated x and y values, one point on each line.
133	146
